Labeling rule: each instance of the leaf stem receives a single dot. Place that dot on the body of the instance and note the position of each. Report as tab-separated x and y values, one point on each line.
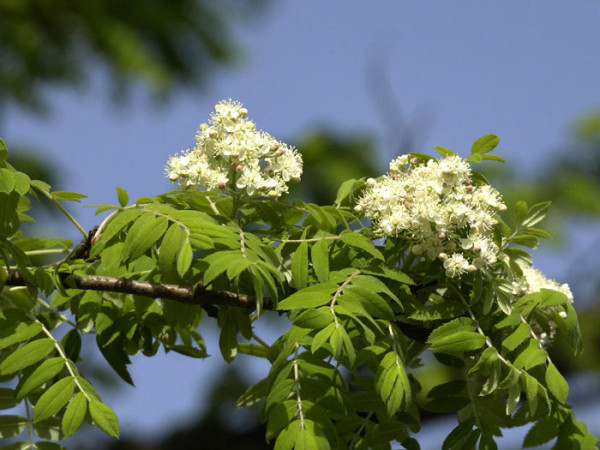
63	210
64	356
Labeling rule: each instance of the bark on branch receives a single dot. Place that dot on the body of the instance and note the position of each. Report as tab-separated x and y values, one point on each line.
191	295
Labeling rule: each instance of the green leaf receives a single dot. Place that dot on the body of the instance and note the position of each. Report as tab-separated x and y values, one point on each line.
373	303
184	257
303	300
541	432
7	180
355	239
68	196
459	341
442	311
219	262
526	240
531	356
320	260
458	434
74	414
536	214
253	394
517	337
556	383
300	266
493	158
485	144
530	386
115	355
49	429
449	389
347	188
11	333
392	384
321	337
446	404
313	296
115	225
169	247
315	319
444	151
487	361
44	372
143	234
3	151
456	336
104	417
22	183
8	399
53	399
122	196
27	355
11	425
228	343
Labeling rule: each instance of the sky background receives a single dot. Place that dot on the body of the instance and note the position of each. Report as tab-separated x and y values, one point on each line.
457	70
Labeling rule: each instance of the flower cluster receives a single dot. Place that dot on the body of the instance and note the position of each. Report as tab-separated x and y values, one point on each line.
231	153
436	205
534	281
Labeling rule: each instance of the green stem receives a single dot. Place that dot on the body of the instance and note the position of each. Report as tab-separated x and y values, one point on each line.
29	419
260	341
47	251
63	210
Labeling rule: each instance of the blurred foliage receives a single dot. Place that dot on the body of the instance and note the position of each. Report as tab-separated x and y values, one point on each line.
331	158
162	42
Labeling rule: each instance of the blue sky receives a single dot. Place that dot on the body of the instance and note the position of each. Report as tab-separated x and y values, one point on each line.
458	70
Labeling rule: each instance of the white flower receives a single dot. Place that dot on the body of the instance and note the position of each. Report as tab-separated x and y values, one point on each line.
231	153
436	205
456	265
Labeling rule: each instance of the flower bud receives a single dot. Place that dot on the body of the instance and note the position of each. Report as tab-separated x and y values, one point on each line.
442	235
239	168
370	181
417	249
221	185
443	256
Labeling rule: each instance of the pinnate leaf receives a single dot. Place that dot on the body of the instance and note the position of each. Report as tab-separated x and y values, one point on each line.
27	355
104	417
74	414
53	399
556	383
300	266
44	372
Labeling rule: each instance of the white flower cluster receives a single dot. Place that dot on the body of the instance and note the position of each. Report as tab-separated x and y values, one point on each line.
231	153
533	281
437	206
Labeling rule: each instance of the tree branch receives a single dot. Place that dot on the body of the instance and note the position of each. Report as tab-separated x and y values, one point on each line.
191	295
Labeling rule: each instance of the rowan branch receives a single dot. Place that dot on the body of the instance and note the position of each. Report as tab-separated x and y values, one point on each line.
190	295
